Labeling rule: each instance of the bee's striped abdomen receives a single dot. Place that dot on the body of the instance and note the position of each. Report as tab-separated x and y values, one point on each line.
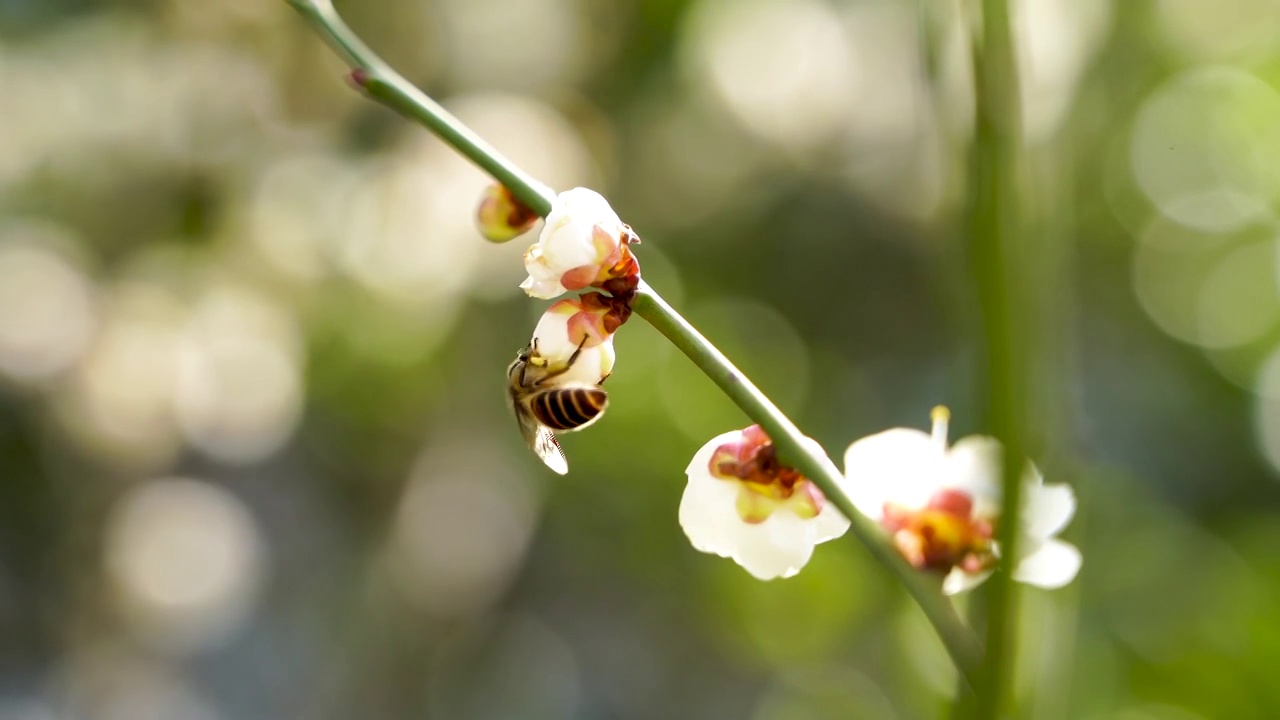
568	408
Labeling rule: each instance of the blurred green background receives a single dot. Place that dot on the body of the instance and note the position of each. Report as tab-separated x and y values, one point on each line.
256	460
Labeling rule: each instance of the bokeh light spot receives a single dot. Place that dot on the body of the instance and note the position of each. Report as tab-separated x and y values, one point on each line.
1222	29
1206	288
1239	300
527	44
296	212
186	559
1206	148
461	531
49	314
118	403
783	68
238	392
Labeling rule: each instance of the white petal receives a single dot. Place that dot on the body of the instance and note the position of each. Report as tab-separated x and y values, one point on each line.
775	548
542	289
709	514
973	466
1048	509
830	522
569	245
1051	565
958	581
566	240
592	363
816	448
584	203
543	282
709	504
899	465
829	525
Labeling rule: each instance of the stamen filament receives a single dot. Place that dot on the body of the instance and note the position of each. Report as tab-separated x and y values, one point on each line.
941	417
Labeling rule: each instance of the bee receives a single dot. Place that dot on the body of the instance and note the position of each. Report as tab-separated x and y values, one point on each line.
542	408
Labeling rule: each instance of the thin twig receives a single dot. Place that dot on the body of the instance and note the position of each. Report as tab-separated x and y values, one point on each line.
386	86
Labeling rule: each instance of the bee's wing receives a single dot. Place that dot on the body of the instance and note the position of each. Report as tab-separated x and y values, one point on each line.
542	441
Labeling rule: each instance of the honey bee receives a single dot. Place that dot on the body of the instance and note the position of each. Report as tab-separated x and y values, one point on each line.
541	408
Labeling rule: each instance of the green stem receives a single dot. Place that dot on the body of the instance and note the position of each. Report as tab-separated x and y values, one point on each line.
994	228
386	86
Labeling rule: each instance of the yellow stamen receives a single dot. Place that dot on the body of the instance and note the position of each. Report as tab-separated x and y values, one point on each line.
941	417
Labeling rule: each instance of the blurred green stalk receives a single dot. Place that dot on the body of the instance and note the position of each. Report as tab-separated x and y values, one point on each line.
385	85
993	228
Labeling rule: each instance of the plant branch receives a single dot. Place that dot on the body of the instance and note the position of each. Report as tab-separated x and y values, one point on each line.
993	234
386	86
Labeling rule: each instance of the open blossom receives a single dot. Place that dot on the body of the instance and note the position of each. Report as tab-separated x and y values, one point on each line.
940	506
570	326
582	244
741	503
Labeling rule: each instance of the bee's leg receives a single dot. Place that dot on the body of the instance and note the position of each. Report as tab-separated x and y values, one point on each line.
530	357
606	377
567	364
573	358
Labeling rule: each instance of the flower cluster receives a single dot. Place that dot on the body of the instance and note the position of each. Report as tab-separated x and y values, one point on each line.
554	381
939	505
583	244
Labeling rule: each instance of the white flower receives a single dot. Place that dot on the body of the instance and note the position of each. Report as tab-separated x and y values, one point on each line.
567	328
581	241
940	505
741	504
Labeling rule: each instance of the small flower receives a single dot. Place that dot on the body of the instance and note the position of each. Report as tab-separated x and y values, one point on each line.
572	326
741	503
940	506
501	217
583	243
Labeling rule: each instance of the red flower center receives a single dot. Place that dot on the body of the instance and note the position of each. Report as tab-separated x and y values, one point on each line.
943	534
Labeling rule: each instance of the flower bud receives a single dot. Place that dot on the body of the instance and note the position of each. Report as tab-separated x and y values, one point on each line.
502	217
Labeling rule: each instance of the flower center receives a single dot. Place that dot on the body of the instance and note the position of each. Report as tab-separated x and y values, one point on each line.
942	535
752	461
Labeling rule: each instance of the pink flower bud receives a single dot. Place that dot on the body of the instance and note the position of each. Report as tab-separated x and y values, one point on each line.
501	217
